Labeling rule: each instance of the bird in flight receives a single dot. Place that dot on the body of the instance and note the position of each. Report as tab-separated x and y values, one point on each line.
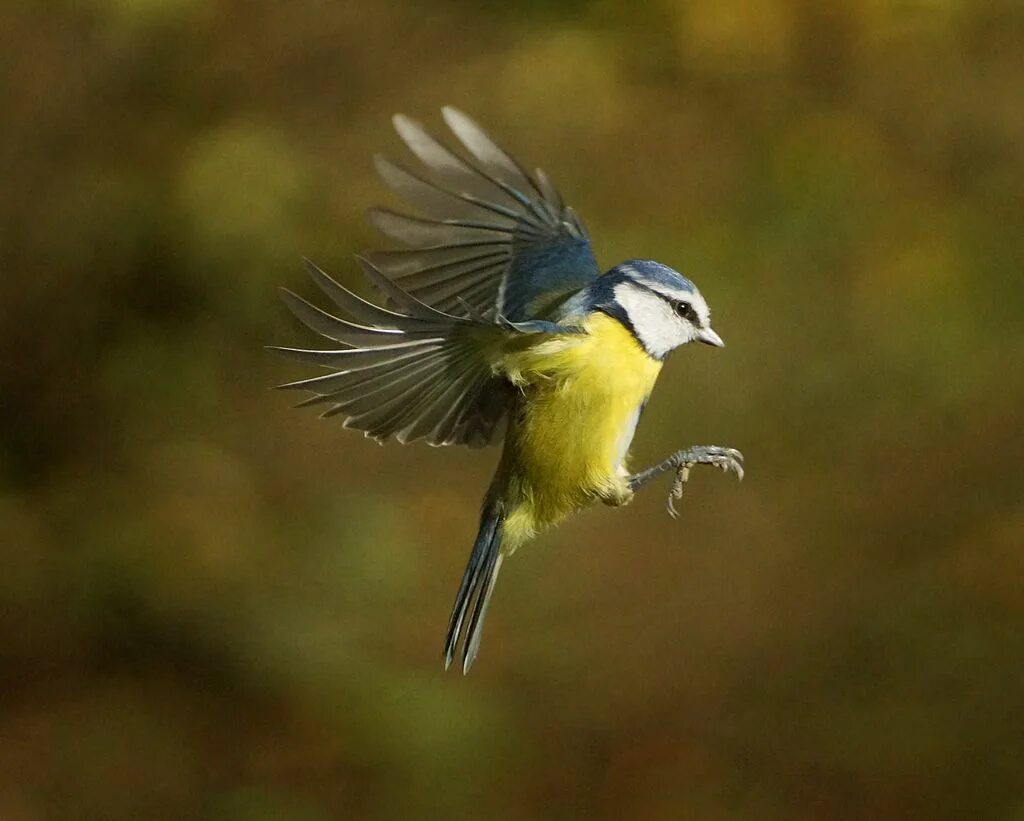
495	324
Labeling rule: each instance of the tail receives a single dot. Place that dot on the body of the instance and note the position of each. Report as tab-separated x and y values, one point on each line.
477	585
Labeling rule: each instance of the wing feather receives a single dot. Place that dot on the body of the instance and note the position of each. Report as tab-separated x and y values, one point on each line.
490	254
488	200
494	158
427	375
403	263
433	199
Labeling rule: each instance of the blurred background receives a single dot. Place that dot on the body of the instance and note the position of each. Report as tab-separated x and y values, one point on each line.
215	606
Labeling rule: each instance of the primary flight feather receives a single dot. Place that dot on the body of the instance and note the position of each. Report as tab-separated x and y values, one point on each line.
497	324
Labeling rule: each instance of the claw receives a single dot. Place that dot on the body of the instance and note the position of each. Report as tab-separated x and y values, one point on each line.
730	459
725	459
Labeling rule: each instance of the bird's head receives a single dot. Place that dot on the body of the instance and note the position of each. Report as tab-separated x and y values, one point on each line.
661	307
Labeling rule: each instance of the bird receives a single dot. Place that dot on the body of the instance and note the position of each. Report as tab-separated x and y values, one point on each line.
495	324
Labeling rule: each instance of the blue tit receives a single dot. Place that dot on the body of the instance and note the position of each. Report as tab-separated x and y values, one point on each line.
495	324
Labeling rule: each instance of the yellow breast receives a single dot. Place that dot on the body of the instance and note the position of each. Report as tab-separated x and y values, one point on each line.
582	395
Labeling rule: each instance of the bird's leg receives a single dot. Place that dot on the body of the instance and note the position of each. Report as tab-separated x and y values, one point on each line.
681	462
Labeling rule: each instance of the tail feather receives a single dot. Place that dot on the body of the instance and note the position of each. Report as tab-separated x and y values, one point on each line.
476	624
476	589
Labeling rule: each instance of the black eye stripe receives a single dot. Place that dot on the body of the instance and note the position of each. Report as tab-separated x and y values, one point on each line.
685	310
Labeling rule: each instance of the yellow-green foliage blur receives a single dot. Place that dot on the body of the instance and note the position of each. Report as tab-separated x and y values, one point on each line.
214	606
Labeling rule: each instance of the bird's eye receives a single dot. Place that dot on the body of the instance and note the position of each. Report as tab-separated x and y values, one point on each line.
685	310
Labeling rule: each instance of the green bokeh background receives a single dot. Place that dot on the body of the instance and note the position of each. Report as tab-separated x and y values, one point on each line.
214	606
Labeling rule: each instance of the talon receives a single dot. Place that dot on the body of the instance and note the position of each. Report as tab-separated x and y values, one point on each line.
725	459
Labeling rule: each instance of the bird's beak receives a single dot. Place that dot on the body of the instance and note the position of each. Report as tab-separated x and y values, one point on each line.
709	337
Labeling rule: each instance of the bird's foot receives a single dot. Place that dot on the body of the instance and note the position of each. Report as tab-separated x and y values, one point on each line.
725	459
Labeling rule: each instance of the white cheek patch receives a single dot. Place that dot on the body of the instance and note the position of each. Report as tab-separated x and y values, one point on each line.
656	324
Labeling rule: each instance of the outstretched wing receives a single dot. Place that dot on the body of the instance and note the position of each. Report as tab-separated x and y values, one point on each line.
414	372
492	239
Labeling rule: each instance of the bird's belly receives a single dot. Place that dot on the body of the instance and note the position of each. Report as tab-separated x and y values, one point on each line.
574	428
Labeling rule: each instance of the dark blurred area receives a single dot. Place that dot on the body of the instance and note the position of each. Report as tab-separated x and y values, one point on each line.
215	606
